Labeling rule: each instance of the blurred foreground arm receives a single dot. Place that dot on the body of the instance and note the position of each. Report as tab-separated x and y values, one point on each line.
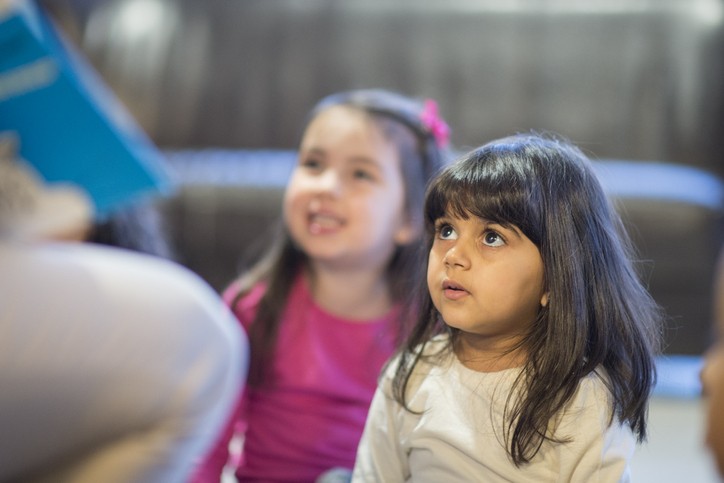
114	366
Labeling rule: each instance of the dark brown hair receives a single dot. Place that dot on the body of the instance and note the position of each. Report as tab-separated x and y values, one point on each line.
599	314
400	119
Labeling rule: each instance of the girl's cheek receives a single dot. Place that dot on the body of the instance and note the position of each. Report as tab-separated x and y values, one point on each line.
712	374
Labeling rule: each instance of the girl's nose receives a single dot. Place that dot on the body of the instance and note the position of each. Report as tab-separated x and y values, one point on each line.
329	182
457	257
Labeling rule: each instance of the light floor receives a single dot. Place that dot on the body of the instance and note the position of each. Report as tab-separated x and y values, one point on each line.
675	452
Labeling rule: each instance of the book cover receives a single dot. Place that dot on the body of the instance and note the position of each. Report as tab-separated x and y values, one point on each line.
70	126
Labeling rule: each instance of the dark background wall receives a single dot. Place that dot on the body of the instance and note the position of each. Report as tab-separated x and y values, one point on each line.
629	79
216	83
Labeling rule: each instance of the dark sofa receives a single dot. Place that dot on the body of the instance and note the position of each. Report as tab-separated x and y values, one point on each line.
229	202
223	87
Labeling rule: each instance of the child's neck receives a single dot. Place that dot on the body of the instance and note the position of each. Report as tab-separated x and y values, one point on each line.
358	295
487	355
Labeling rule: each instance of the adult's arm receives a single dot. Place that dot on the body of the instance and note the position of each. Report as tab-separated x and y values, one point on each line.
114	366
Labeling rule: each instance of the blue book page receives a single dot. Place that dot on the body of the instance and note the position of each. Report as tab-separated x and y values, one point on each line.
70	126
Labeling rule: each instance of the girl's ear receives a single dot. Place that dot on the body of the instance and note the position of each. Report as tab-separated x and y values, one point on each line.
408	232
544	300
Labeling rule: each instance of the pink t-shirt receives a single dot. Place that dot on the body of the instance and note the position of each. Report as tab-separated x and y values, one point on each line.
324	376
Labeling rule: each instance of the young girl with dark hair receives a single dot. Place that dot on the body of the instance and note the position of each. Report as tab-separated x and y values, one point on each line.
533	357
325	307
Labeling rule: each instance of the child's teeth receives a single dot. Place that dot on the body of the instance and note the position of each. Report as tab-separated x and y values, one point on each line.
323	222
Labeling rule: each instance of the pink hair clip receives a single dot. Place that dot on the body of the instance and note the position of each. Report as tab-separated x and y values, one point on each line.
435	124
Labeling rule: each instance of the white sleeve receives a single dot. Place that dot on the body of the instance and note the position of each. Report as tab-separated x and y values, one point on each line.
114	366
380	455
599	453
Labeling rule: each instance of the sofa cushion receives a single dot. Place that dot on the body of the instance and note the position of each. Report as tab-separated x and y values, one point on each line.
229	202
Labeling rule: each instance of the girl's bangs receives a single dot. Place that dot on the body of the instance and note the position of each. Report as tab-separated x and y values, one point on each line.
483	189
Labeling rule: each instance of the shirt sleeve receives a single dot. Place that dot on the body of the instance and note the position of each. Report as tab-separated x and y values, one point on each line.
380	455
131	365
209	470
599	452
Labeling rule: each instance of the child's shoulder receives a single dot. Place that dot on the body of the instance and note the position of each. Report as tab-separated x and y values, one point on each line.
592	395
596	383
436	345
433	353
242	301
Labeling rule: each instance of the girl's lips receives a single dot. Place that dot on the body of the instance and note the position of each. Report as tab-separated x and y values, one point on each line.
321	223
453	290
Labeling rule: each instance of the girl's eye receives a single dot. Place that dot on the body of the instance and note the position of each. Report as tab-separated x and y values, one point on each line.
446	232
493	239
311	164
362	174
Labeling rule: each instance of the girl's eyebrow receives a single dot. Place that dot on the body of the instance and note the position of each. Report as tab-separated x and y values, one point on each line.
361	159
364	160
313	150
510	228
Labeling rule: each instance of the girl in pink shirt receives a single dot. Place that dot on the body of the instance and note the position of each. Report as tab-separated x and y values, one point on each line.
327	304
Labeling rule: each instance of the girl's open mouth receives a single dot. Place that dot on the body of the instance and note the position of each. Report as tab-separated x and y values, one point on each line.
453	290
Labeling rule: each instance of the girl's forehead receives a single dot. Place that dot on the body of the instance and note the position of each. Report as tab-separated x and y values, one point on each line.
342	124
457	209
451	210
342	112
466	215
340	134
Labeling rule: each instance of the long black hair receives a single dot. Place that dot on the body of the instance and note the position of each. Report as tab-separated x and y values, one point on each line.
422	154
599	314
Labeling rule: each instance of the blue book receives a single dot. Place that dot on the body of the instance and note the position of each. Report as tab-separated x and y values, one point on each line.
70	126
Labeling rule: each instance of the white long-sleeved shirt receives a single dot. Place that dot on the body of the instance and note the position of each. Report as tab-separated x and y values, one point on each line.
457	434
